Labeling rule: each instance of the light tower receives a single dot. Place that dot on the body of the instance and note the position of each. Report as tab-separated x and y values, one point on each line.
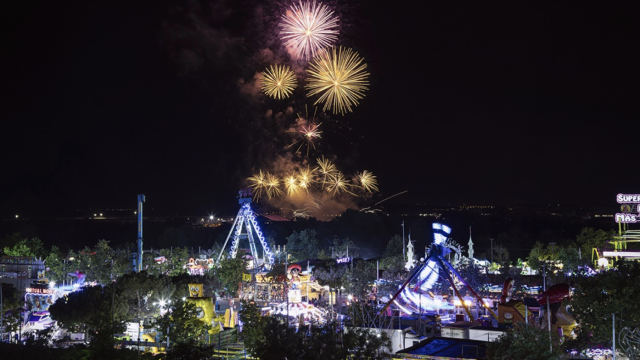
245	226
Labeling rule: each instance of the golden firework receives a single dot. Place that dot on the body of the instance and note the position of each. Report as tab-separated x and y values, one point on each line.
278	81
305	178
367	181
339	77
338	183
258	183
291	184
326	169
272	186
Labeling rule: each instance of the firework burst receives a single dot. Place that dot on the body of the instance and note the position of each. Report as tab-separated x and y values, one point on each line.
258	183
305	178
326	169
291	184
307	28
272	186
278	81
311	184
308	135
367	181
339	77
338	183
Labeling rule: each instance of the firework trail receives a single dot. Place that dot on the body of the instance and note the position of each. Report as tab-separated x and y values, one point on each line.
307	28
278	81
339	77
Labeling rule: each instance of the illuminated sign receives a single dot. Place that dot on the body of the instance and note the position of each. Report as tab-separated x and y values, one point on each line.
627	218
343	260
628	198
40	291
621	253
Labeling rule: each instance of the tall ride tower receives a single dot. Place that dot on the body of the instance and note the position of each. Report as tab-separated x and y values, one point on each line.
137	256
245	226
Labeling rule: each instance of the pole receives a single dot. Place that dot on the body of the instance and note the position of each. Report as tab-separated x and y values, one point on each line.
549	323
613	318
544	276
286	290
404	258
113	297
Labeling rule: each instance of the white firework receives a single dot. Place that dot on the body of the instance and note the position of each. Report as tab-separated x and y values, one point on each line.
307	28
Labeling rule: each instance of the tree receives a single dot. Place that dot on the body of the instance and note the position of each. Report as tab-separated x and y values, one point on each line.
182	323
140	290
253	329
344	246
91	310
366	343
394	247
96	263
55	265
358	279
332	276
525	342
536	256
597	297
392	266
590	238
230	272
283	341
558	259
13	304
501	257
303	245
176	259
15	245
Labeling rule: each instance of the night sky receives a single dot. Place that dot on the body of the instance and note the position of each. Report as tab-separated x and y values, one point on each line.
467	104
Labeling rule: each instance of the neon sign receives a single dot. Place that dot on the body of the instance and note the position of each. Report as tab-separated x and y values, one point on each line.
343	260
40	291
627	218
628	198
